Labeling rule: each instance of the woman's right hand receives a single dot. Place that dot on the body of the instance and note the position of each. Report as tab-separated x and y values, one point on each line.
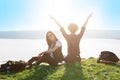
90	15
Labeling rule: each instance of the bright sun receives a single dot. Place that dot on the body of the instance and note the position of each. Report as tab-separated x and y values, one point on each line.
61	10
57	9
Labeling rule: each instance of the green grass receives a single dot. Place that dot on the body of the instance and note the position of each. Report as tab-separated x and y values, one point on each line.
87	70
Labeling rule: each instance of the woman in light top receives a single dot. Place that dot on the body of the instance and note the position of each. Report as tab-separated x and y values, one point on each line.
54	53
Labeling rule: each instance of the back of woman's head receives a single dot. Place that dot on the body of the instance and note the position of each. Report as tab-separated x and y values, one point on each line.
47	37
72	27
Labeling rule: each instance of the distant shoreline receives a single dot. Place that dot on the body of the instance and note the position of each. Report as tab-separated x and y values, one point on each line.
101	34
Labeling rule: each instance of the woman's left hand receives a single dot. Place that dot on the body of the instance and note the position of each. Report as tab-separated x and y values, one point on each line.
49	51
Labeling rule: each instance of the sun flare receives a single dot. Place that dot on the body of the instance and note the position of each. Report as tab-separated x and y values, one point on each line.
63	11
59	10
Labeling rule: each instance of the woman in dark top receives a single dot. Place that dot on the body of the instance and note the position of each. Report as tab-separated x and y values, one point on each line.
73	40
54	53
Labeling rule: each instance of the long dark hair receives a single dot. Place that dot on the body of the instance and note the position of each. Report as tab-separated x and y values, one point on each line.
47	39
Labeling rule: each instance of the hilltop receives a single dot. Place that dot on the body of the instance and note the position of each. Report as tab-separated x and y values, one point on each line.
89	69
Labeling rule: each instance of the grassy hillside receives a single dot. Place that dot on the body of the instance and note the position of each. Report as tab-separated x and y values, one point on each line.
87	70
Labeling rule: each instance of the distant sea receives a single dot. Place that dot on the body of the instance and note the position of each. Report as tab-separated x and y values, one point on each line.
22	45
104	34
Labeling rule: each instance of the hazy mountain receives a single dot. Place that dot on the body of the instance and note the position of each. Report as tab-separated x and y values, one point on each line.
107	34
22	34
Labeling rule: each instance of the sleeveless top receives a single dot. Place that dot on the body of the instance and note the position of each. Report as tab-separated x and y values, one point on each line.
57	54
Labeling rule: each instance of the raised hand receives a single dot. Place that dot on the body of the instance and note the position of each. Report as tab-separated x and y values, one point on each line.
52	18
90	15
55	21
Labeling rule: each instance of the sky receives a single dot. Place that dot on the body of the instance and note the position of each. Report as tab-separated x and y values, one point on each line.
35	14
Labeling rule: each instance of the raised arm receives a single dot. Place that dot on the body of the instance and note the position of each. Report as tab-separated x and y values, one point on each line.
61	28
56	21
84	26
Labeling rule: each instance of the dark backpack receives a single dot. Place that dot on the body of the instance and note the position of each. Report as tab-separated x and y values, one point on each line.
108	56
12	66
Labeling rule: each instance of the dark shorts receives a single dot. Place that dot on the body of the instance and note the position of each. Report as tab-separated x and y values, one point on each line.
48	59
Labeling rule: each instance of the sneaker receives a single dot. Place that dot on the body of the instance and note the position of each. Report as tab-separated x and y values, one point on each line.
28	66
